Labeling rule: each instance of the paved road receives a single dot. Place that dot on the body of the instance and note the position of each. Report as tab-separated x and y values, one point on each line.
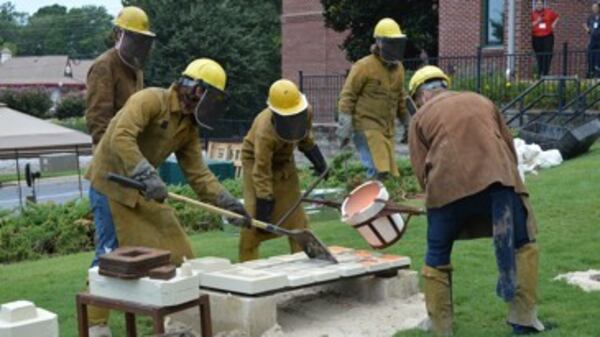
57	190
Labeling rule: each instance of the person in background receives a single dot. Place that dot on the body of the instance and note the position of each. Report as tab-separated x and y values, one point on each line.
543	23
592	27
371	100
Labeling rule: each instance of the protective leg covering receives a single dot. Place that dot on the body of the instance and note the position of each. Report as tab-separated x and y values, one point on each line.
522	312
438	298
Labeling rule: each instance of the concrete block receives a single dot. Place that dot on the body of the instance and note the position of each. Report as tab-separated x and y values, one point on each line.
182	288
244	280
208	264
372	289
248	316
22	318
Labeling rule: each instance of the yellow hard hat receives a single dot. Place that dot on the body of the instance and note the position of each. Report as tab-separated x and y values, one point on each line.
424	75
208	71
285	99
387	28
133	19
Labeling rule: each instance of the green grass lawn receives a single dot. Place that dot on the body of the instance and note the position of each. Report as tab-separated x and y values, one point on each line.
567	205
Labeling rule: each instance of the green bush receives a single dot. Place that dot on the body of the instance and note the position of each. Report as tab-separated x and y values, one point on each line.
75	123
58	229
46	229
35	102
72	105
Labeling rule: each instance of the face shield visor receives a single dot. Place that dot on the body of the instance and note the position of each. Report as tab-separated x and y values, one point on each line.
392	49
411	106
134	48
291	128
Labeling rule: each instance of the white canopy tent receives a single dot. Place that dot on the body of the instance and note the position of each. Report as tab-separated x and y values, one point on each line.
22	135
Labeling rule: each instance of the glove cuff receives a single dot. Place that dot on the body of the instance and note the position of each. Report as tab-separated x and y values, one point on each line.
264	208
143	170
316	158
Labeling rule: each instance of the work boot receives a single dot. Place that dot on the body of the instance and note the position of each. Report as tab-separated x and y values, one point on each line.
101	330
522	311
438	298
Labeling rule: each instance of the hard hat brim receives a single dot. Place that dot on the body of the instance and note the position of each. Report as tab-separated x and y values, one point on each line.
301	106
139	31
395	36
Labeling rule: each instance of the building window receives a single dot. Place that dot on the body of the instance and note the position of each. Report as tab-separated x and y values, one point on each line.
493	25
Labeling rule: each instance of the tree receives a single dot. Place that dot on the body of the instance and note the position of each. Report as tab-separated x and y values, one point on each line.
10	21
243	36
79	32
418	19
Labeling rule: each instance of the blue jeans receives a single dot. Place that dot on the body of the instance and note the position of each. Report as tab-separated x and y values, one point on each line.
445	223
105	238
364	153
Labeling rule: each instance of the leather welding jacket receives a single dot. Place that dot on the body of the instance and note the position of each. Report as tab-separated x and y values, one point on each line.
373	95
152	126
110	82
268	156
459	145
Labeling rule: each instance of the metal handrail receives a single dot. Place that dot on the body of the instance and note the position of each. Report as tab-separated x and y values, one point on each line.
520	99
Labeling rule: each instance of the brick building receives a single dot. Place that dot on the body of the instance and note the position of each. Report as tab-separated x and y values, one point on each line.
306	44
466	24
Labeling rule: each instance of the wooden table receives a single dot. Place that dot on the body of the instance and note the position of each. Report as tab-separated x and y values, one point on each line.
131	309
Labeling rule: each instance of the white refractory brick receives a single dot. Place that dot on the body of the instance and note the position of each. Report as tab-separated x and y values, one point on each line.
290	258
17	311
299	278
258	264
22	318
177	290
349	269
324	274
343	258
208	264
244	280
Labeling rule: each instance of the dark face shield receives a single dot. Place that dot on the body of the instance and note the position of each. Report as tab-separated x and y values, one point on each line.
392	49
210	108
292	128
411	106
134	48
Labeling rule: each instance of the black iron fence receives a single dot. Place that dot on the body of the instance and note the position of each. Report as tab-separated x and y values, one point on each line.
500	77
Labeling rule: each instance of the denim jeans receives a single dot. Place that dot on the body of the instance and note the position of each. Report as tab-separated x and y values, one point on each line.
105	238
364	153
445	223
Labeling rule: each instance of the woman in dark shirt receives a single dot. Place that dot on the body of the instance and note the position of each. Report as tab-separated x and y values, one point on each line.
592	27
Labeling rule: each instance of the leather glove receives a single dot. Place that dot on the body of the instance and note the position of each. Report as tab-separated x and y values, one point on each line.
264	208
316	158
155	187
344	130
227	201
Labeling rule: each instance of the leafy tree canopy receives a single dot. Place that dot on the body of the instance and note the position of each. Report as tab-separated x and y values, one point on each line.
418	19
243	36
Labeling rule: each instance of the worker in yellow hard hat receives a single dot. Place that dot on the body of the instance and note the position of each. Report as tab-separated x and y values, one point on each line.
372	98
153	124
271	183
112	79
463	156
